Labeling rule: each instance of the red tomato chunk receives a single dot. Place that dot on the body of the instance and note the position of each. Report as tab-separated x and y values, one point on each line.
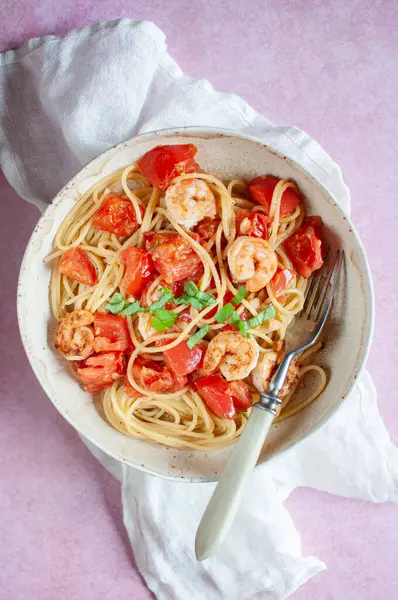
252	223
173	257
304	247
100	371
111	333
116	215
281	280
76	264
224	398
139	268
163	163
181	360
261	190
156	377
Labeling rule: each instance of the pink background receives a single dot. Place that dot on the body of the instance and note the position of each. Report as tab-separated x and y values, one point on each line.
330	68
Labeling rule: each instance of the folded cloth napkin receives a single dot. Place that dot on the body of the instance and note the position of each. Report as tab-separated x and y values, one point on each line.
65	100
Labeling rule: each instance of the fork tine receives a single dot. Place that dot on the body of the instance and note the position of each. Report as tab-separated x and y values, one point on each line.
328	289
312	290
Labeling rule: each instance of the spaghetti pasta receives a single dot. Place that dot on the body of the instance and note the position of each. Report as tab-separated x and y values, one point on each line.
161	293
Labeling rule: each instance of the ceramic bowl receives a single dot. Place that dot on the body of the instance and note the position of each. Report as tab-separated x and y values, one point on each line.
346	340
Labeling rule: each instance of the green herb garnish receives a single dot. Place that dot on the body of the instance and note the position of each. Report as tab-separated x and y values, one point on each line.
261	317
242	293
224	313
237	322
115	304
200	334
132	309
193	296
163	319
166	297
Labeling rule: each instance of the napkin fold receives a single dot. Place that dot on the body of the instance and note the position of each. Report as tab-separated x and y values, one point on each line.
65	100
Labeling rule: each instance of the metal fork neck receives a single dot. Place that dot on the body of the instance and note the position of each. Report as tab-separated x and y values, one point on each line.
269	402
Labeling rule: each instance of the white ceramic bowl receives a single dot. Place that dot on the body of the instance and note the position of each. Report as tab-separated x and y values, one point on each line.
228	155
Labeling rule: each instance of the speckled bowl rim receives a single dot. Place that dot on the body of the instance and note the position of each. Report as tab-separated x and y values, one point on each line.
205	132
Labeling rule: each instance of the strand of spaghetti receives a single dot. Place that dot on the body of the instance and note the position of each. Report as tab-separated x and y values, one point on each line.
297	301
236	183
86	214
274	210
295	409
223	436
132	197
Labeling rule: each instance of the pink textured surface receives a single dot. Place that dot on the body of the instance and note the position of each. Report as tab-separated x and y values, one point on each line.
329	68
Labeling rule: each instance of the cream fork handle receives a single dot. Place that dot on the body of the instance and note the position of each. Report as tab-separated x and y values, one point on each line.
223	504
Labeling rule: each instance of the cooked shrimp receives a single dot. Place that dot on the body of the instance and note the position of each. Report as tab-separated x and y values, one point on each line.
74	337
189	201
252	261
235	355
265	368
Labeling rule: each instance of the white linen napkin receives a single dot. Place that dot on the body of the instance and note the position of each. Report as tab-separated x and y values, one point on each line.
65	100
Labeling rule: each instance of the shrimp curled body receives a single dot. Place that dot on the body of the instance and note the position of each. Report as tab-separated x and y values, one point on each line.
252	261
234	355
74	336
189	201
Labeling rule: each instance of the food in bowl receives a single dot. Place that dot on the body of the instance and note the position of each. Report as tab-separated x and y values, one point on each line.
173	291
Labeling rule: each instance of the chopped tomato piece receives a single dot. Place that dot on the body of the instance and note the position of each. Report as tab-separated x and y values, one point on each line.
174	257
252	223
130	390
304	247
111	333
262	188
223	397
215	392
207	228
316	223
116	215
76	264
163	163
241	395
139	268
184	315
100	371
156	377
281	280
181	360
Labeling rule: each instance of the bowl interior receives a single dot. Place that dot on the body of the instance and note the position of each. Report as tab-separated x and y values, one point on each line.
346	339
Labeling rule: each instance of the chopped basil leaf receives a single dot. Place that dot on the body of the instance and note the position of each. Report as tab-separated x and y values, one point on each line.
132	308
242	293
224	313
163	319
262	316
195	339
195	303
190	288
116	299
193	296
205	299
236	321
166	297
117	304
116	307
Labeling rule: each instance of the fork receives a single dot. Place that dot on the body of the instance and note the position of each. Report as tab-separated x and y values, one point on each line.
301	335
